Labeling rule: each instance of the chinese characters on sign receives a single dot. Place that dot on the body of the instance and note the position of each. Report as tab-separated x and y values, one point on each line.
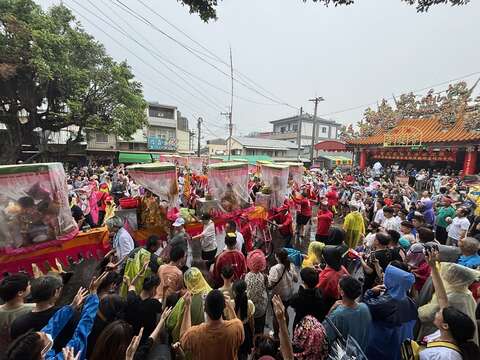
157	143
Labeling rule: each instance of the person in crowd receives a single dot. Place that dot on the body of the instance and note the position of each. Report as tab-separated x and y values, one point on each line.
456	330
198	288
228	275
14	289
418	265
309	338
180	236
305	214
208	238
122	243
427	211
111	308
324	221
457	279
244	311
76	212
350	317
231	228
39	344
336	236
142	309
331	275
257	285
113	341
170	275
314	254
445	211
394	314
379	215
283	218
458	226
232	257
281	278
45	292
215	336
372	230
469	246
406	238
377	261
308	300
332	198
265	347
152	245
354	226
398	253
390	221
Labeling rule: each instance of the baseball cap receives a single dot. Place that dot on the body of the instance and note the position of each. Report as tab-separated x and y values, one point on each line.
179	222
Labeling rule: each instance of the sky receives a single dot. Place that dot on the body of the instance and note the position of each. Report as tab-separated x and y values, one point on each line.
292	51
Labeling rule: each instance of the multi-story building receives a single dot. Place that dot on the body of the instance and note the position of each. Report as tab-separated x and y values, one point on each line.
287	129
217	147
249	146
167	131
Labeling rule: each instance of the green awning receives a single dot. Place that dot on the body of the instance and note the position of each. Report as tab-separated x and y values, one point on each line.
134	158
251	159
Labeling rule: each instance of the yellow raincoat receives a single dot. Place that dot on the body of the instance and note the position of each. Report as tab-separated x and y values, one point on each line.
199	288
354	227
314	254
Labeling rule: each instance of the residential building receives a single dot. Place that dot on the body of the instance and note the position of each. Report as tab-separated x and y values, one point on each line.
287	129
217	147
167	131
277	149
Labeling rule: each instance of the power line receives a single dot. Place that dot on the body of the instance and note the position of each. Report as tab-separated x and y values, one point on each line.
392	97
209	52
153	68
116	27
142	18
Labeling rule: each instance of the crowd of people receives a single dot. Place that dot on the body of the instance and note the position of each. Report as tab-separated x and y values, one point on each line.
392	271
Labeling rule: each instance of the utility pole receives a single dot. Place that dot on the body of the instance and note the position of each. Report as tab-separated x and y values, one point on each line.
229	114
299	134
316	100
199	132
230	123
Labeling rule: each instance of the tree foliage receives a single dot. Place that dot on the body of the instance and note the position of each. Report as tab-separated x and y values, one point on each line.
206	9
54	75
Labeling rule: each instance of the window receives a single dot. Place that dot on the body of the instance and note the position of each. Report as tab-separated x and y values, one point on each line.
283	129
101	137
324	130
295	127
161	113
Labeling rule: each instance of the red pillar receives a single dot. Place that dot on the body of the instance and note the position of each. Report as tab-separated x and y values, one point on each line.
363	159
470	162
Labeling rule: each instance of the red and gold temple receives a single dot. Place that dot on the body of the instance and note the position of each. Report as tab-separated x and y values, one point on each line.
422	143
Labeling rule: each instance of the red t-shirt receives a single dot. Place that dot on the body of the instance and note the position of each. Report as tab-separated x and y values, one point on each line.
235	259
285	221
332	198
324	220
328	282
305	207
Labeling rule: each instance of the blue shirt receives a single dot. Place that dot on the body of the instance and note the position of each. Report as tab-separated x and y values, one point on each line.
472	261
350	321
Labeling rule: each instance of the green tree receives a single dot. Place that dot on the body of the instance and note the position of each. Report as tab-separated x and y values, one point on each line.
54	75
206	8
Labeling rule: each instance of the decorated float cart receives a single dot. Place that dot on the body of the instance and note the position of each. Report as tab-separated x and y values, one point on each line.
35	218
